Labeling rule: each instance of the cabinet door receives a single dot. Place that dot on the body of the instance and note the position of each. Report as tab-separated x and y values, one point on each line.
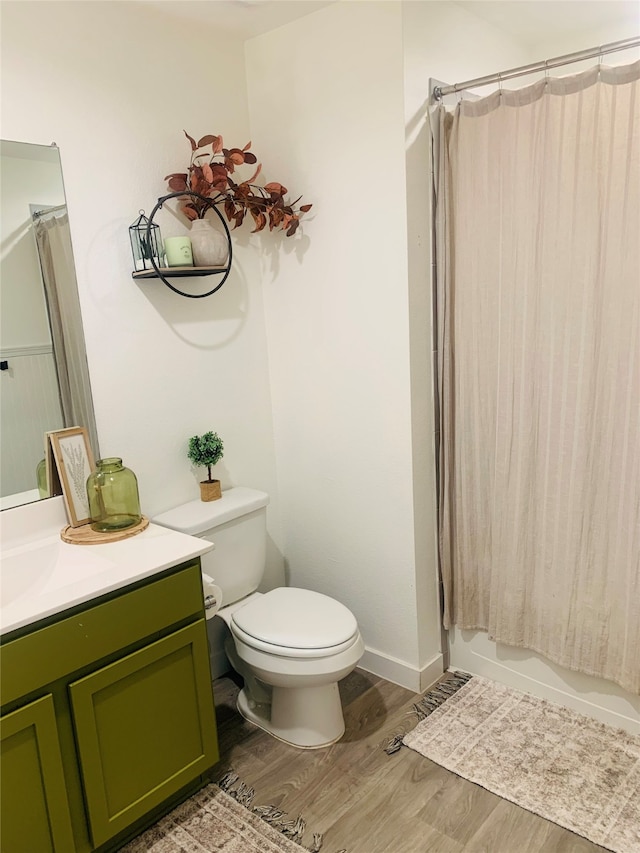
35	812
145	727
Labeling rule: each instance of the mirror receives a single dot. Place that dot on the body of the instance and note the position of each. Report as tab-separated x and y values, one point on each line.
44	380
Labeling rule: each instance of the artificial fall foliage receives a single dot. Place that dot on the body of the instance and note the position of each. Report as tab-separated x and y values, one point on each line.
209	175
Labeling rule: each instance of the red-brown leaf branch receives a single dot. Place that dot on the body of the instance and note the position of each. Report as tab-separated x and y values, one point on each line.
209	174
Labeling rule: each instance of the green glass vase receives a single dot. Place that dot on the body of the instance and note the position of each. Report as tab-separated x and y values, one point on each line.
41	479
112	490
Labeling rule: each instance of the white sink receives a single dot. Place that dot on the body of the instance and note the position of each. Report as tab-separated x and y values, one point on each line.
40	575
45	566
26	570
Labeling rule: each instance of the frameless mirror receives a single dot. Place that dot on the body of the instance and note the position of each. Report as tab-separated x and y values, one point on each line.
44	380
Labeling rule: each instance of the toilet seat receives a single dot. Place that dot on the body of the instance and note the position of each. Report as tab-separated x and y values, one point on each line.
291	651
296	623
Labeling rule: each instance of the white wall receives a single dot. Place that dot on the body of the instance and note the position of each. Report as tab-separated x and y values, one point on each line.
349	318
330	121
623	23
115	84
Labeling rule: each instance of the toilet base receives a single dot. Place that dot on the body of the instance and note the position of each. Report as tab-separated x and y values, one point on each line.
305	717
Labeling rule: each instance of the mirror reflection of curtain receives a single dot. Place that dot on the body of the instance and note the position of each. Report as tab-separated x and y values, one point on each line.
539	369
53	240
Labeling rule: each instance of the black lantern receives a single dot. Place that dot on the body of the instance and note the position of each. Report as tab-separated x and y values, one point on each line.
146	243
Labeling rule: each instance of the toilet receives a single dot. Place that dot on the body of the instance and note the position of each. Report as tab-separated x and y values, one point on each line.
290	645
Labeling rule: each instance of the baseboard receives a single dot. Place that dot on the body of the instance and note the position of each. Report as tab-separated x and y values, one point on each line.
393	670
473	652
219	664
217	632
400	672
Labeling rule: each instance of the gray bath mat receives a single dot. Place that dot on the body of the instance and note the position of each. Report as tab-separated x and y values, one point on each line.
561	765
222	819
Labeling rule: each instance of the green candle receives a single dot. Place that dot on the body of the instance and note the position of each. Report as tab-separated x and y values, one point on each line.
178	251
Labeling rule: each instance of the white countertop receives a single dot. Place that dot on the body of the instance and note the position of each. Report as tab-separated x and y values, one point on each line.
40	575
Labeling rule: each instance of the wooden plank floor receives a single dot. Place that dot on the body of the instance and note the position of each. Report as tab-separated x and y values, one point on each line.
366	801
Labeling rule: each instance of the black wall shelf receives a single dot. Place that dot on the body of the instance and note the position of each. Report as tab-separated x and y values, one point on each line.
163	273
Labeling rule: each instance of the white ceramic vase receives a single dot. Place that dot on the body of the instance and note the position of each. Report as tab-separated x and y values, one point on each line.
210	247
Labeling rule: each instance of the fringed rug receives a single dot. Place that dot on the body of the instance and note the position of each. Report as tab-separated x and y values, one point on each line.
222	819
561	765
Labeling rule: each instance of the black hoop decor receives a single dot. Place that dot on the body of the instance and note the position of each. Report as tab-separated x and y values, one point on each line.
211	205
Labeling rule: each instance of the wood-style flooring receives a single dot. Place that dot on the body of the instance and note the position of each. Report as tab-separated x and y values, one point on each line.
366	801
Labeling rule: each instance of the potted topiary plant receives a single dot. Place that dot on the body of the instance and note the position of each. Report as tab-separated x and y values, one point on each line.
204	451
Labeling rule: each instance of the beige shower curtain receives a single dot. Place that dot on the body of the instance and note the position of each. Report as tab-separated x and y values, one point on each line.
53	239
538	290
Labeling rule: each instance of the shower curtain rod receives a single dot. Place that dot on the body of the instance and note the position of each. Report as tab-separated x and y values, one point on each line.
47	210
440	91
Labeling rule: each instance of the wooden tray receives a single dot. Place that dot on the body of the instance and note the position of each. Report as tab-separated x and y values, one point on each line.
84	535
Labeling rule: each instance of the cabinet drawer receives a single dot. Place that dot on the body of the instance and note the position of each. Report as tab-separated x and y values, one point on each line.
66	646
145	727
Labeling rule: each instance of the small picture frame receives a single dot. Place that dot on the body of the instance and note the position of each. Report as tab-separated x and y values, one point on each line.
54	486
74	463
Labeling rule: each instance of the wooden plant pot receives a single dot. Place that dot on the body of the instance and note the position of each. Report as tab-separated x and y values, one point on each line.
210	490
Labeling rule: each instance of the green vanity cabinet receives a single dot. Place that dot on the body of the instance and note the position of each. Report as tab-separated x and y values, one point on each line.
141	726
108	717
31	773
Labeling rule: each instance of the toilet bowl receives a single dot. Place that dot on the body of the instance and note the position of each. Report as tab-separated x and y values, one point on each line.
291	646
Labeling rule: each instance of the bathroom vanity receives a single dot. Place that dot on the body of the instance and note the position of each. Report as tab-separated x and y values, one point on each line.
107	708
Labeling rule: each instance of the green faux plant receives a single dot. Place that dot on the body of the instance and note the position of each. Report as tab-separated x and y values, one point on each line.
205	450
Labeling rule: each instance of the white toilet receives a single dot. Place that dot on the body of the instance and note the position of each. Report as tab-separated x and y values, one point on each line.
290	645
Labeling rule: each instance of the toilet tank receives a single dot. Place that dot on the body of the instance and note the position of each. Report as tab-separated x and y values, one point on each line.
236	523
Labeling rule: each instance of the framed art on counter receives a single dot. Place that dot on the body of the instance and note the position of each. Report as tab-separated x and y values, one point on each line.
71	451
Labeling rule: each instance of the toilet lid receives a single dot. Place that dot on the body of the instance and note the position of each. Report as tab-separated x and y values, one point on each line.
297	618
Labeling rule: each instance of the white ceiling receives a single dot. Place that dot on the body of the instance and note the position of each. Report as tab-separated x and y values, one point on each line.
531	21
242	18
